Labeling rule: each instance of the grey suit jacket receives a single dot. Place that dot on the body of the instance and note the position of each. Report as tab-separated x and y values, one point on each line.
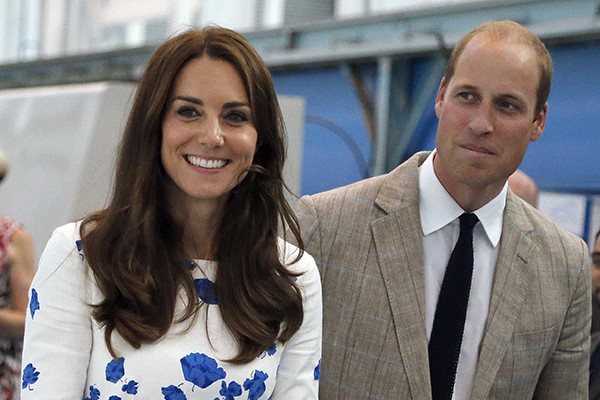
366	239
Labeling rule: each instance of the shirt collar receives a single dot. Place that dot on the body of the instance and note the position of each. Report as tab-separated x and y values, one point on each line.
437	208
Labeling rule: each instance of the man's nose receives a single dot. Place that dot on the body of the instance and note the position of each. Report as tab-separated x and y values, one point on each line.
482	119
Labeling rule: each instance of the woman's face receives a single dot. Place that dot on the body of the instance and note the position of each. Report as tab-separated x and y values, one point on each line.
208	134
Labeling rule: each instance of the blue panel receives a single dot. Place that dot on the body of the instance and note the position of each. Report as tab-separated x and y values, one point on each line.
567	156
334	119
424	135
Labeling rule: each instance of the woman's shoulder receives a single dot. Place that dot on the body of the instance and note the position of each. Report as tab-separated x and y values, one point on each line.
63	249
66	235
304	265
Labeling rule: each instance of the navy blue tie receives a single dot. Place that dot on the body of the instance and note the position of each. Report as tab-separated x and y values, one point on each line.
450	313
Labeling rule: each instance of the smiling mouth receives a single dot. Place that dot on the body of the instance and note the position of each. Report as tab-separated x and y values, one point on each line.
204	163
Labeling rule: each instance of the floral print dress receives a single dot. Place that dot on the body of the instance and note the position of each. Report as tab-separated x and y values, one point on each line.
10	348
65	356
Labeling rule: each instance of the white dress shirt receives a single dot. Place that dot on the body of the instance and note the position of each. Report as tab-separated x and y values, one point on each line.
439	214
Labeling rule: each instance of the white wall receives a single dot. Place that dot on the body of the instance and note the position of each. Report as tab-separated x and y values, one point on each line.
60	143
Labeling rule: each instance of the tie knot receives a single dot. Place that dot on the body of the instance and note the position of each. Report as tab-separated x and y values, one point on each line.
468	221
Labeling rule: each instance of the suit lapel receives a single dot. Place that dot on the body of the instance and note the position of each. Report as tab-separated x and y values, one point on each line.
513	272
397	238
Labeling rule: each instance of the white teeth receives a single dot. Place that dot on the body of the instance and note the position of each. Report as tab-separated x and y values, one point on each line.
201	162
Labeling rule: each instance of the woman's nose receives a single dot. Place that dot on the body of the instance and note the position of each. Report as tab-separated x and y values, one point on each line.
211	133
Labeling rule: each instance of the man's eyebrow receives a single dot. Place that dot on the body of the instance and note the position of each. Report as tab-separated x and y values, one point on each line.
510	96
466	86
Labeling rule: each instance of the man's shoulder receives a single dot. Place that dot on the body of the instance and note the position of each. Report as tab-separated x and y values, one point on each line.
544	225
545	232
367	185
369	188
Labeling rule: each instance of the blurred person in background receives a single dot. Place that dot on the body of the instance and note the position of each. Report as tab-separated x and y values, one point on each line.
182	288
596	284
17	266
595	341
524	187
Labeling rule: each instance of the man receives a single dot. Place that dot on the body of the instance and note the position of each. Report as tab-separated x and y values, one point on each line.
596	284
383	244
595	341
523	186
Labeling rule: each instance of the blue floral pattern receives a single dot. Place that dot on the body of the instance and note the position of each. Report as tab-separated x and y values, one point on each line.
115	370
79	245
30	376
173	392
34	303
201	370
229	392
256	385
207	290
183	365
130	387
94	394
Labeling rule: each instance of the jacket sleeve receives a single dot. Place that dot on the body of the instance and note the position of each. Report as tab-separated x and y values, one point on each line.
309	227
566	375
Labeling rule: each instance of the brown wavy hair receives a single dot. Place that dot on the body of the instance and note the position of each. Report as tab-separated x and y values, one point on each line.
134	246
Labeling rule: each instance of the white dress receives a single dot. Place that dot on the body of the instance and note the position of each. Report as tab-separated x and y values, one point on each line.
65	356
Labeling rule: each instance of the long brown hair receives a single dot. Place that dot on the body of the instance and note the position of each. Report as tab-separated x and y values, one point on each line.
134	246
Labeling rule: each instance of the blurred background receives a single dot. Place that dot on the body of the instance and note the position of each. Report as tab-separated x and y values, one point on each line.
357	80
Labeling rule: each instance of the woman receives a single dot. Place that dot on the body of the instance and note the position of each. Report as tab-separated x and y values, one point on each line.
180	288
17	266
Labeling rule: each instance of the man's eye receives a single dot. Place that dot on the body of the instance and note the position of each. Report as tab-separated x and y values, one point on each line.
466	96
508	106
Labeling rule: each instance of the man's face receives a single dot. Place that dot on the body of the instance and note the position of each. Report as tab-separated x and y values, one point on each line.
487	115
596	266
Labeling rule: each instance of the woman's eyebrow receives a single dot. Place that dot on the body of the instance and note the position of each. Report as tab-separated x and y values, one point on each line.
189	99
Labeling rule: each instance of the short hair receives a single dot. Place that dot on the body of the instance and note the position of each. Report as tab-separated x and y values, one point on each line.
497	30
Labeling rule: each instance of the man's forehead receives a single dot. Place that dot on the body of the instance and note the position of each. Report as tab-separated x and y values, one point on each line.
491	43
498	56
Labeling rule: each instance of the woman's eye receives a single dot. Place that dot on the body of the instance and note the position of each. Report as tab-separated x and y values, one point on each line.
237	117
187	112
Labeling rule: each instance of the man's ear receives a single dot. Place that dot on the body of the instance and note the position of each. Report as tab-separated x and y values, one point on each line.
439	98
539	123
